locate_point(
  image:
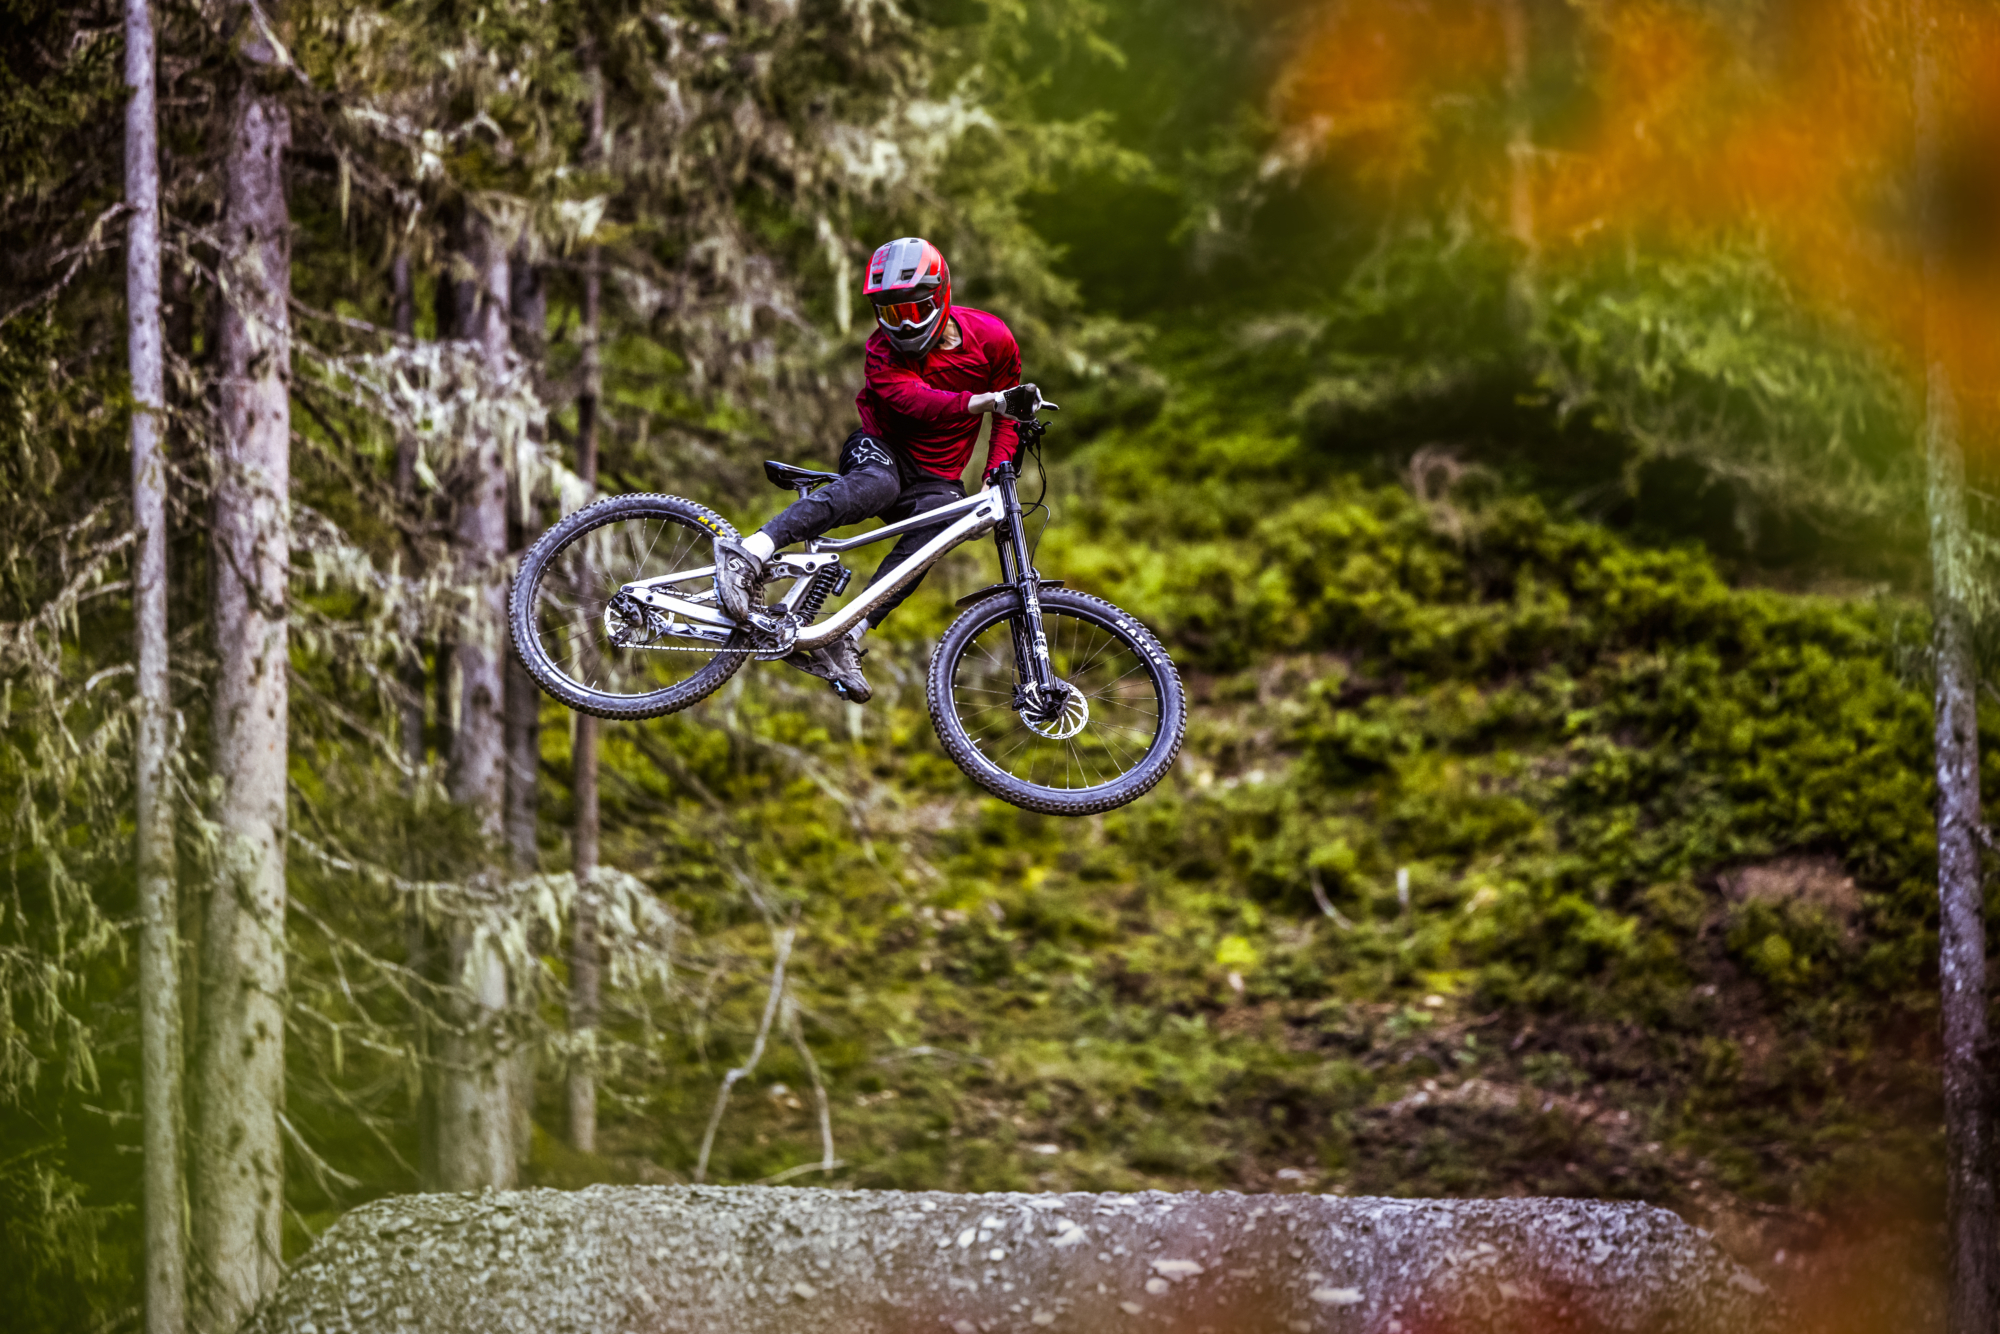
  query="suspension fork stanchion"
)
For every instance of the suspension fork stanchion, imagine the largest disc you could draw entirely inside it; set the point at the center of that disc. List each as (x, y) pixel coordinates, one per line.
(1031, 644)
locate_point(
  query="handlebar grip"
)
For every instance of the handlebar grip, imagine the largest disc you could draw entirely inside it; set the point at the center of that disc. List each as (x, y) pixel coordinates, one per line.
(1021, 401)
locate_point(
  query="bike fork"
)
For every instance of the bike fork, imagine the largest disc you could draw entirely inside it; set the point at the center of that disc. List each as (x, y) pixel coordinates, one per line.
(1035, 675)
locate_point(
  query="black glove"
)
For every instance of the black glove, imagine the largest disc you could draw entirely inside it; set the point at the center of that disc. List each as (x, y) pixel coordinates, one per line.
(1021, 401)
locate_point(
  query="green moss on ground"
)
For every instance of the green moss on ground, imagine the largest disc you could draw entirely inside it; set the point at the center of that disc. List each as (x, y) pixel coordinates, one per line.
(1627, 881)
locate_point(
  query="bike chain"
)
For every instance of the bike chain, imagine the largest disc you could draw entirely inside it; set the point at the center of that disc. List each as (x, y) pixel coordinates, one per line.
(711, 652)
(775, 654)
(682, 648)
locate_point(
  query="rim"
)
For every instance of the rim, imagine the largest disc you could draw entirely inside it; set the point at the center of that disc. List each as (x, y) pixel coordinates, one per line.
(607, 650)
(1112, 722)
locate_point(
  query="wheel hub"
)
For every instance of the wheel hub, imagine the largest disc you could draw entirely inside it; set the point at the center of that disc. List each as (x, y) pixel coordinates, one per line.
(628, 623)
(1059, 721)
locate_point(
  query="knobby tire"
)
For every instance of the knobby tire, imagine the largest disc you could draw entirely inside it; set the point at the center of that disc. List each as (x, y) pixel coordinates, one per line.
(1134, 782)
(535, 567)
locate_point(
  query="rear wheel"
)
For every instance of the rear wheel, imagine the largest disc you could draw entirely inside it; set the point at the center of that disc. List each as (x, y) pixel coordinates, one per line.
(1109, 739)
(589, 642)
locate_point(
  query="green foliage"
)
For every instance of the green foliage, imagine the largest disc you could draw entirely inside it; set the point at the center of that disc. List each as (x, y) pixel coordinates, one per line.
(58, 68)
(1516, 753)
(1451, 892)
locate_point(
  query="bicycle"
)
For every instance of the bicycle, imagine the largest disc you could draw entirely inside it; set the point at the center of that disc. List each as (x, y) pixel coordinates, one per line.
(1050, 699)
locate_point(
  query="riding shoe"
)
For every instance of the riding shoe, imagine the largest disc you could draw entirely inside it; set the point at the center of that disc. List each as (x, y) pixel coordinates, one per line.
(838, 662)
(739, 580)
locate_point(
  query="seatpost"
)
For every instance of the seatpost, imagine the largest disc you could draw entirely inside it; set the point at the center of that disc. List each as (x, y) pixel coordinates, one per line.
(805, 489)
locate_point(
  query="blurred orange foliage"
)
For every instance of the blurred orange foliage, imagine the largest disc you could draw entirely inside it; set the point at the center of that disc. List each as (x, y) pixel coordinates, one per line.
(1795, 126)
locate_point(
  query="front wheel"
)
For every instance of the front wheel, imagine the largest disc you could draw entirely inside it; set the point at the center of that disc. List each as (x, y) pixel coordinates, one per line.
(1110, 738)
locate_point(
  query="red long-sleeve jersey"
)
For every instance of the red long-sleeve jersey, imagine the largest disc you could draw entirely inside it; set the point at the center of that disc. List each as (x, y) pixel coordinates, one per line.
(919, 406)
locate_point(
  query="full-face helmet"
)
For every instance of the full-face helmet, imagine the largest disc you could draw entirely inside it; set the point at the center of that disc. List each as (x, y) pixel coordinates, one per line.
(910, 286)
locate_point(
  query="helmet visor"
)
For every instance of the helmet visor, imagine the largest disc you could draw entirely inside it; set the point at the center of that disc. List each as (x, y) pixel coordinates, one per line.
(913, 314)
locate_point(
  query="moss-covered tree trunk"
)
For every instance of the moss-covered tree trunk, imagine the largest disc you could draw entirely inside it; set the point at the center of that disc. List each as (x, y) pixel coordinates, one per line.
(238, 1156)
(159, 913)
(419, 938)
(584, 963)
(410, 670)
(1961, 895)
(475, 1114)
(528, 306)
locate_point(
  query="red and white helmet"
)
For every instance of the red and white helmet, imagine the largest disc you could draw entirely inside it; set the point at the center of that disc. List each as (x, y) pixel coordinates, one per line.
(910, 285)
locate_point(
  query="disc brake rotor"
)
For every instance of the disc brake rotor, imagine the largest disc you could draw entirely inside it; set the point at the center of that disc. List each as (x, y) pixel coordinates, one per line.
(1061, 726)
(630, 624)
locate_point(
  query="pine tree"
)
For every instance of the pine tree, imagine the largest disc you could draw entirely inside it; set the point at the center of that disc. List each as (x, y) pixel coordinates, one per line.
(159, 910)
(475, 1103)
(584, 962)
(1969, 1187)
(238, 1154)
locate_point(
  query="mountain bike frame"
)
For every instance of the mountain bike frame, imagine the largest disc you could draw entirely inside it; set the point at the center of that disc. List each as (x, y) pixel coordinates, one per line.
(996, 510)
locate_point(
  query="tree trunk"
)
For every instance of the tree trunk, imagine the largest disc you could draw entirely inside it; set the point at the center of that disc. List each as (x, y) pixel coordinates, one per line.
(1961, 920)
(529, 304)
(410, 672)
(1522, 283)
(1969, 1194)
(159, 913)
(240, 1074)
(748, 1260)
(584, 960)
(475, 1110)
(419, 946)
(530, 307)
(478, 761)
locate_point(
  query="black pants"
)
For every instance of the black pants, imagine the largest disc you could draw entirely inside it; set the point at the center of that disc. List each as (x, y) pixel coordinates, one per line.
(875, 482)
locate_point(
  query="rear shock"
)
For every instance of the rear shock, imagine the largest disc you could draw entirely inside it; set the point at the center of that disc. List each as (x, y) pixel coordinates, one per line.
(830, 582)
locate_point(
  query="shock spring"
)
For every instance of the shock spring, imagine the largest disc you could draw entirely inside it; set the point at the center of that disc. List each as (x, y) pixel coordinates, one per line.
(830, 582)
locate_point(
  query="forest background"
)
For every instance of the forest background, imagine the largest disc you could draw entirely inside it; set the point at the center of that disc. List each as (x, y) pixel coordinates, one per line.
(1512, 414)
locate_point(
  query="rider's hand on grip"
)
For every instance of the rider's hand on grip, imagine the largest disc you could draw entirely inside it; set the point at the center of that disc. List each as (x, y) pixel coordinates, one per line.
(1023, 401)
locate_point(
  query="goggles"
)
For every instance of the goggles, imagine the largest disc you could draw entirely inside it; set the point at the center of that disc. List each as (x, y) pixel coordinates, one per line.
(913, 313)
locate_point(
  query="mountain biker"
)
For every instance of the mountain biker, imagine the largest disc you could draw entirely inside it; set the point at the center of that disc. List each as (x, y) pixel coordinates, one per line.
(933, 369)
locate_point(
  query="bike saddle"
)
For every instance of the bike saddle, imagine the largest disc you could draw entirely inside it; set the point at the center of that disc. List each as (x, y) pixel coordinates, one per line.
(786, 477)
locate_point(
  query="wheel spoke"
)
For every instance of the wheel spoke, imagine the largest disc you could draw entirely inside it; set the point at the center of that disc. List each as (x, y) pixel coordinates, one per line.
(1088, 744)
(575, 588)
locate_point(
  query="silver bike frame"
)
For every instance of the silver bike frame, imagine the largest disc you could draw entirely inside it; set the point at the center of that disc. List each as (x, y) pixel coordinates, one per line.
(979, 514)
(976, 515)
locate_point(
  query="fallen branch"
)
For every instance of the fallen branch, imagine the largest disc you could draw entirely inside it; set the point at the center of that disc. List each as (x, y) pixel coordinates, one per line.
(783, 940)
(798, 1037)
(1325, 903)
